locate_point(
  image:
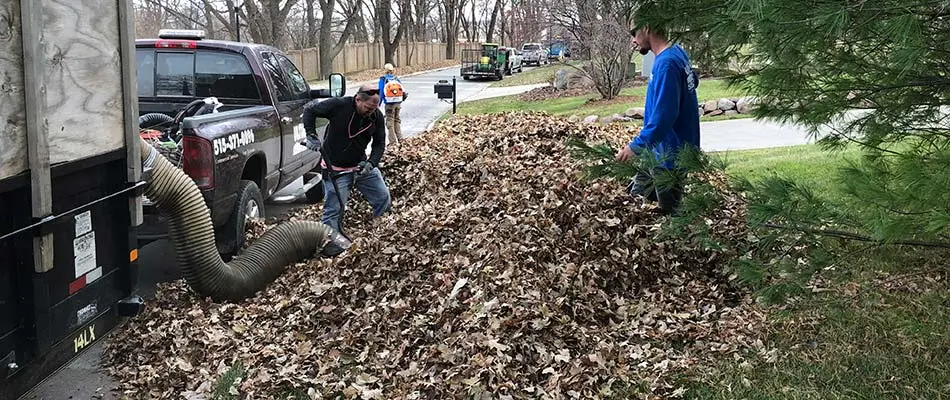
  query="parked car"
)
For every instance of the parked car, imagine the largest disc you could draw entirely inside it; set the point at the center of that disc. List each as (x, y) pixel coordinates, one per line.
(534, 54)
(515, 61)
(250, 148)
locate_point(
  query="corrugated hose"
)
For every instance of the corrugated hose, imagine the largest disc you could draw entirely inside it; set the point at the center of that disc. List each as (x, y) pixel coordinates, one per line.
(177, 197)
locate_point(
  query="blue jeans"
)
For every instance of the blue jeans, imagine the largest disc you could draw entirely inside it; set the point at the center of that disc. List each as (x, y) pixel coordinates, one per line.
(371, 185)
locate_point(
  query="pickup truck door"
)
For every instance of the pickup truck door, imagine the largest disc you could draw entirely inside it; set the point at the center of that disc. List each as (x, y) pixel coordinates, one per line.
(292, 92)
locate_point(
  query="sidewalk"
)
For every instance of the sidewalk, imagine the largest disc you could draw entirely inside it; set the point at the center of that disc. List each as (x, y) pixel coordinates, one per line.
(492, 92)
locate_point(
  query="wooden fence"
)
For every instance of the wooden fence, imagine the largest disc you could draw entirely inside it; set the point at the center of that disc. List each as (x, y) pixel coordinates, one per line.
(363, 56)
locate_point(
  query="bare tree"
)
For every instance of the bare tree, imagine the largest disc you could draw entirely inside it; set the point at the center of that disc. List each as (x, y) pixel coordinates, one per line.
(600, 32)
(421, 21)
(450, 11)
(391, 36)
(329, 47)
(490, 32)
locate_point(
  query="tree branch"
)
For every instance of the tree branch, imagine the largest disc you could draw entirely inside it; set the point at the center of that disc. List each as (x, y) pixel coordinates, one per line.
(858, 237)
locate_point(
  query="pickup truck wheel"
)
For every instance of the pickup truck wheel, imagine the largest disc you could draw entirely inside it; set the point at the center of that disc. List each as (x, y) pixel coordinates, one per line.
(315, 194)
(249, 205)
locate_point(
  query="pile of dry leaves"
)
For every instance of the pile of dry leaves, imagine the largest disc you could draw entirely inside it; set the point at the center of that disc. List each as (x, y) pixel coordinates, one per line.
(500, 274)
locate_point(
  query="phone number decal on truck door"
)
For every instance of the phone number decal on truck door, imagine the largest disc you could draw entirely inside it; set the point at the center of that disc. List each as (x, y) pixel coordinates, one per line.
(233, 141)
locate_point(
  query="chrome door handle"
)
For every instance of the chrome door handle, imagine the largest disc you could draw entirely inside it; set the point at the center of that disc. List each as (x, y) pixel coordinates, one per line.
(287, 120)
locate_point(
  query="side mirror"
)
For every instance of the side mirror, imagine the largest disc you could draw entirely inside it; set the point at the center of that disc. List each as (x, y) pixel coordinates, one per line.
(337, 85)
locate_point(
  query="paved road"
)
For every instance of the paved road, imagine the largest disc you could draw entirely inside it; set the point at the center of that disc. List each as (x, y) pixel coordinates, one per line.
(743, 134)
(422, 107)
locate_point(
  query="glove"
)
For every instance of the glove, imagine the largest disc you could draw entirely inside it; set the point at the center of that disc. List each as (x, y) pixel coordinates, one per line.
(365, 168)
(313, 143)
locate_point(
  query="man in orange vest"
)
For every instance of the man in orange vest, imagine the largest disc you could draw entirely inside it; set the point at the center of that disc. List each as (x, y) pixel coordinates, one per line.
(392, 94)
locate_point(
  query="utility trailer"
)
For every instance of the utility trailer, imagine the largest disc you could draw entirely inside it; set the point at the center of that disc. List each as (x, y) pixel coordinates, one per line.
(70, 182)
(486, 62)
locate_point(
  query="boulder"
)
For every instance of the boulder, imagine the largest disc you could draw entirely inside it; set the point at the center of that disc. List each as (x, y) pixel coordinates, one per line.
(731, 112)
(574, 119)
(710, 105)
(560, 79)
(635, 112)
(726, 105)
(579, 81)
(701, 111)
(745, 105)
(716, 112)
(591, 119)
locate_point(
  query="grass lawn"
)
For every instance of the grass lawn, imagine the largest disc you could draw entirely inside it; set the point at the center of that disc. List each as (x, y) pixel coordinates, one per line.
(587, 105)
(877, 329)
(806, 163)
(542, 74)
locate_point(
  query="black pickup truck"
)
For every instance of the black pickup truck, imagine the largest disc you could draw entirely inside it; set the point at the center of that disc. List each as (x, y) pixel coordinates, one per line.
(249, 148)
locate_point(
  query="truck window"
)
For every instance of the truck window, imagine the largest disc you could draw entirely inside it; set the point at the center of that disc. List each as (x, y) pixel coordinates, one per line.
(203, 73)
(284, 91)
(299, 85)
(174, 74)
(146, 73)
(224, 75)
(531, 47)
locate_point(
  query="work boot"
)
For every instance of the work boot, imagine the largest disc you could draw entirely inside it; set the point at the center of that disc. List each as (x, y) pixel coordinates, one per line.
(336, 245)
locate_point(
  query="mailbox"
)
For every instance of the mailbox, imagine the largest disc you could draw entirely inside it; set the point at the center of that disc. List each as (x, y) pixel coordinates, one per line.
(444, 89)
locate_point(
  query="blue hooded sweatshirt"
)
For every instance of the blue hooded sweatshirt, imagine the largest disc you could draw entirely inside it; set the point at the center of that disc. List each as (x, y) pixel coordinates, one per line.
(671, 115)
(382, 83)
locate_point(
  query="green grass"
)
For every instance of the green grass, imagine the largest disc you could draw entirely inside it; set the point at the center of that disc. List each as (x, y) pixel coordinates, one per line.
(805, 163)
(582, 105)
(228, 381)
(859, 338)
(542, 74)
(860, 341)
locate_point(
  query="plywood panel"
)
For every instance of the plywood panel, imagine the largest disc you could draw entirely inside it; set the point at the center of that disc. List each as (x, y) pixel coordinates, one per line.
(13, 150)
(83, 77)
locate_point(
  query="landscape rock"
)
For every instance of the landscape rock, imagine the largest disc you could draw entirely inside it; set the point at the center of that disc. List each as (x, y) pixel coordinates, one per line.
(710, 105)
(560, 79)
(715, 113)
(726, 104)
(731, 112)
(579, 81)
(574, 119)
(702, 111)
(745, 105)
(591, 119)
(635, 112)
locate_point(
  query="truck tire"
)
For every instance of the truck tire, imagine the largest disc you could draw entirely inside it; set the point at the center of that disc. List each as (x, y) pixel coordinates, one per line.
(249, 203)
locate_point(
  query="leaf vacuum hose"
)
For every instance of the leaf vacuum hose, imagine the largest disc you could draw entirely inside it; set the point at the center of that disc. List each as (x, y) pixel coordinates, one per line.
(177, 197)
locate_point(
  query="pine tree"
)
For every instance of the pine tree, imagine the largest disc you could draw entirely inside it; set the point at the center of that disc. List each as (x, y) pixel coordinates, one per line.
(872, 75)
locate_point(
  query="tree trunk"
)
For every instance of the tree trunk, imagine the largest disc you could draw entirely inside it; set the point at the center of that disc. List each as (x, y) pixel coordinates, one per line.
(450, 21)
(384, 16)
(328, 49)
(312, 27)
(490, 32)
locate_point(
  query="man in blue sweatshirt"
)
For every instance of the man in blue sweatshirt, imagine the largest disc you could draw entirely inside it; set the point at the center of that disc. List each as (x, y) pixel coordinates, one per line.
(670, 118)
